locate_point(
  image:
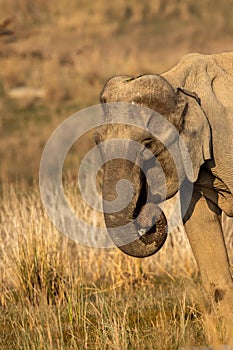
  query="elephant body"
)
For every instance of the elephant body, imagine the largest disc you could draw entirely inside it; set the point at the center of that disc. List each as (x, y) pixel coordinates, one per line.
(196, 97)
(211, 78)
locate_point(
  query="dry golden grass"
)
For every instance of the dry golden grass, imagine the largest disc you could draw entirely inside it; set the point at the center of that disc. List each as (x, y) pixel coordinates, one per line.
(56, 294)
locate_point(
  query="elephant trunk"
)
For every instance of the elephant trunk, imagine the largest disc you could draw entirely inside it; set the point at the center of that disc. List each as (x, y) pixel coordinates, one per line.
(137, 227)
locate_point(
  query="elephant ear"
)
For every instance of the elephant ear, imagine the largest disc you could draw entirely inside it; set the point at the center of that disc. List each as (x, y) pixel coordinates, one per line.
(196, 136)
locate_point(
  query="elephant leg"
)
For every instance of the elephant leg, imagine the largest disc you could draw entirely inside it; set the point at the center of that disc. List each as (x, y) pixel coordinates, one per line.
(203, 228)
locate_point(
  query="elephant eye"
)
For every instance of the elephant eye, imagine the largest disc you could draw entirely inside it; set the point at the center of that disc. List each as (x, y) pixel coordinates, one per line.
(153, 145)
(148, 143)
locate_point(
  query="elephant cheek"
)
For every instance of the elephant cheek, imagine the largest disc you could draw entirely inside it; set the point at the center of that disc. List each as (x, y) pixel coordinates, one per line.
(165, 179)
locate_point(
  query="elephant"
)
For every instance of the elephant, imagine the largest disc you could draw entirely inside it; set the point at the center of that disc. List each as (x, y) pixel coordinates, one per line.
(196, 97)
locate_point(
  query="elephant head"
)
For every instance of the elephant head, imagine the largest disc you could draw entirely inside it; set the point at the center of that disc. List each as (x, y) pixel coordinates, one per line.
(144, 222)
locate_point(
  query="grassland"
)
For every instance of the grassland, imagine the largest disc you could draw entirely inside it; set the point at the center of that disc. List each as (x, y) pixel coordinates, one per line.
(54, 293)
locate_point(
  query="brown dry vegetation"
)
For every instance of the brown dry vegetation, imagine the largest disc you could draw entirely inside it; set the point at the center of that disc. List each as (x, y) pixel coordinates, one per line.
(55, 294)
(54, 60)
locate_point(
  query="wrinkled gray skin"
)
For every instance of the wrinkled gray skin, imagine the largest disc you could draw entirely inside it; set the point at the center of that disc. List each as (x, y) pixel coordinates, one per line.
(206, 126)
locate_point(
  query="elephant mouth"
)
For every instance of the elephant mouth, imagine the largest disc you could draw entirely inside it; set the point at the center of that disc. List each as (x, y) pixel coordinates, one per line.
(150, 225)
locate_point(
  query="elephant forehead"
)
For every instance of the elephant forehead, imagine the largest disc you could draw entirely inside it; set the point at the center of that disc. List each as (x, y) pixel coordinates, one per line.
(127, 112)
(122, 131)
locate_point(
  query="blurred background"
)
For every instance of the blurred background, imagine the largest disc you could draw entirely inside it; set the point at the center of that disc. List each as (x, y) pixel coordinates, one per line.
(56, 56)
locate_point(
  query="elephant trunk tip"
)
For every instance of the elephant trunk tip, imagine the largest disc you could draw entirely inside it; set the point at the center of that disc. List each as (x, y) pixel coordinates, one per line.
(151, 227)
